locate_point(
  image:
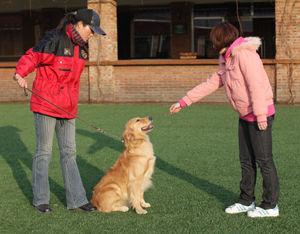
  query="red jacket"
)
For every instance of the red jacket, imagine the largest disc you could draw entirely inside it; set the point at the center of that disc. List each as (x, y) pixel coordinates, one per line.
(58, 63)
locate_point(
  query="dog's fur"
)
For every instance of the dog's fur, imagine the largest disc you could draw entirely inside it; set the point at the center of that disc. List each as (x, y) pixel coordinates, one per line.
(124, 184)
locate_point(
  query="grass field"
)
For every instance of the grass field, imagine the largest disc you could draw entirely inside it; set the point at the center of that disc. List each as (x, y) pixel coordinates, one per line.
(197, 172)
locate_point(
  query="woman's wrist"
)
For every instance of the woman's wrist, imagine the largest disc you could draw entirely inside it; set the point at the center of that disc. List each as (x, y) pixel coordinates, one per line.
(182, 103)
(15, 77)
(261, 118)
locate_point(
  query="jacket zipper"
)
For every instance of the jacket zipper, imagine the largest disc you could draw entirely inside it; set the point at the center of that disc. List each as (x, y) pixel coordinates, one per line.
(76, 55)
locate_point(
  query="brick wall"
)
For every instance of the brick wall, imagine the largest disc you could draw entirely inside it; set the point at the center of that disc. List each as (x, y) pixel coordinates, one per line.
(11, 92)
(288, 50)
(158, 83)
(130, 83)
(103, 48)
(167, 83)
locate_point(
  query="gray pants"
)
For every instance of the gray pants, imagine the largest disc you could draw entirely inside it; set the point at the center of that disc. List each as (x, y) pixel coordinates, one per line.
(256, 148)
(65, 133)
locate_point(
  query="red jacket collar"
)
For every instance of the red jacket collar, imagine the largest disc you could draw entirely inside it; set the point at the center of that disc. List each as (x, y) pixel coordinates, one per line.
(69, 31)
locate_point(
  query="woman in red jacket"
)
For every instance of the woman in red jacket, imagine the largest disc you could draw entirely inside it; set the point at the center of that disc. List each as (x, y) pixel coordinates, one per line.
(59, 59)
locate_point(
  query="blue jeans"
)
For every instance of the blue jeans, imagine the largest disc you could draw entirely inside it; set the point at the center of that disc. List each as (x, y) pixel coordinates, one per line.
(65, 133)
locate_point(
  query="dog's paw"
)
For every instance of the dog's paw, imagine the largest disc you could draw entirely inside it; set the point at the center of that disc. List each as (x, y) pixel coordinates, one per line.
(145, 204)
(124, 209)
(141, 211)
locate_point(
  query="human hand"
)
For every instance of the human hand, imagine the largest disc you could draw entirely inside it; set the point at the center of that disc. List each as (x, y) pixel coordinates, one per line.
(175, 108)
(21, 81)
(262, 125)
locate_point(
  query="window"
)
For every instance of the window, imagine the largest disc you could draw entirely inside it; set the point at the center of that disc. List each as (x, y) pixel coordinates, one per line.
(202, 27)
(257, 19)
(206, 17)
(11, 43)
(146, 32)
(23, 23)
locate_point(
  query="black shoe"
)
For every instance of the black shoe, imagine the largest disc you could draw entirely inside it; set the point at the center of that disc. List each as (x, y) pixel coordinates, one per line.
(88, 207)
(43, 208)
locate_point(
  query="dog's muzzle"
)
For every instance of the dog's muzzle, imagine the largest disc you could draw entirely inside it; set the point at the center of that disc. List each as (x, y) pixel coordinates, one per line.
(148, 127)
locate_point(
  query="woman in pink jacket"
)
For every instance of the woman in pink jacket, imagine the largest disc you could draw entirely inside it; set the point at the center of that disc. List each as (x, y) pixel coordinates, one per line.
(248, 89)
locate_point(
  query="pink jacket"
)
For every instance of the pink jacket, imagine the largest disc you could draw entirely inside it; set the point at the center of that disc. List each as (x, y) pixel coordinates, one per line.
(245, 80)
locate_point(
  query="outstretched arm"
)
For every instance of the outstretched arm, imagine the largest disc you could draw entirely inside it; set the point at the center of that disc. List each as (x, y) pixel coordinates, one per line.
(197, 93)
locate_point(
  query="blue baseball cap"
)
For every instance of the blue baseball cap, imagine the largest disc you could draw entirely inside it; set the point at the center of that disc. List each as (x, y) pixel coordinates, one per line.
(91, 18)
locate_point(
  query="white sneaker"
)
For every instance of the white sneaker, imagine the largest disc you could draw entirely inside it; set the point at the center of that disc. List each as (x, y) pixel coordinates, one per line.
(239, 208)
(261, 213)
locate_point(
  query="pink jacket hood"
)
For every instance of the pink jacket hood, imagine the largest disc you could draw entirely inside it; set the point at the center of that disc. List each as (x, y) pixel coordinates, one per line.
(250, 43)
(244, 78)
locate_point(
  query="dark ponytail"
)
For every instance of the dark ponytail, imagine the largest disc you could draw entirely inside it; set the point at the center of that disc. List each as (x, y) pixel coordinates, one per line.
(67, 19)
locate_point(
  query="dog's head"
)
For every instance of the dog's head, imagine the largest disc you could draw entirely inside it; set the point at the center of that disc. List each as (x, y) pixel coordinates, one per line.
(136, 129)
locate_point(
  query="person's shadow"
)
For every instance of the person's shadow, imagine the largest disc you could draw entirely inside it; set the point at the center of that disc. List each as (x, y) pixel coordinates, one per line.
(101, 140)
(16, 155)
(90, 174)
(13, 150)
(220, 193)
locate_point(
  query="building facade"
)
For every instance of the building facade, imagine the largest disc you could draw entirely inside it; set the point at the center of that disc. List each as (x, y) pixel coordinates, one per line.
(155, 50)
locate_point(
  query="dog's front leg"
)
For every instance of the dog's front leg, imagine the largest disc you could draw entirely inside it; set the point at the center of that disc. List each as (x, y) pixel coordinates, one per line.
(143, 203)
(147, 180)
(135, 196)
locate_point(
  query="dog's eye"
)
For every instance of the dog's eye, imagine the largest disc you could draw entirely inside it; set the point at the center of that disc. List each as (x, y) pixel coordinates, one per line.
(137, 120)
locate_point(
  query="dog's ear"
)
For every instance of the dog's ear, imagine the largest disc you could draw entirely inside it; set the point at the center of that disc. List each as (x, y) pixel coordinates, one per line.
(128, 136)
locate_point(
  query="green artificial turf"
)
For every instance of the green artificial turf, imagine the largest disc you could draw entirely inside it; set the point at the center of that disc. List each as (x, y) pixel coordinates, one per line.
(197, 172)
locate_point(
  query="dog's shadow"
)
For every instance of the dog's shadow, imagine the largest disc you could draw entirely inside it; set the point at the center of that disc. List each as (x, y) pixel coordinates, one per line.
(101, 140)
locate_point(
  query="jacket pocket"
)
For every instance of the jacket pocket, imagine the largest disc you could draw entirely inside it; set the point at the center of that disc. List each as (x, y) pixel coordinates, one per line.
(222, 74)
(63, 69)
(232, 70)
(230, 67)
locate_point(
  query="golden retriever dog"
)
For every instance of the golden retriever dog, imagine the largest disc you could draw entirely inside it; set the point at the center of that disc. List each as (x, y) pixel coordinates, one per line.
(124, 184)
